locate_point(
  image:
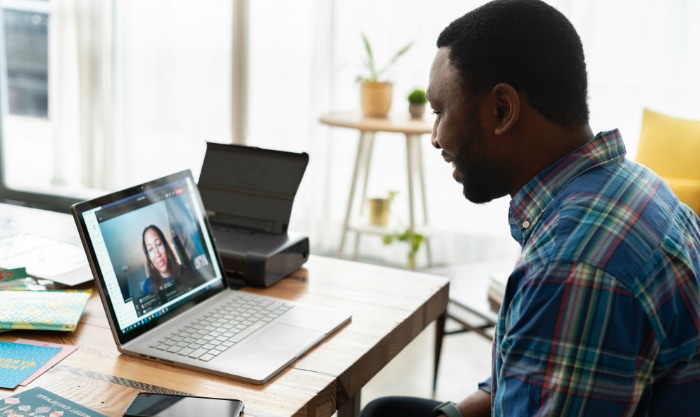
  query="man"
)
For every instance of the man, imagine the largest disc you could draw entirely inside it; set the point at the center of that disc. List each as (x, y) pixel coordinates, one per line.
(601, 314)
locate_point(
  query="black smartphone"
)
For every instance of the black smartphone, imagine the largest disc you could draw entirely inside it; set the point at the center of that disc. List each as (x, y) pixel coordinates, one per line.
(147, 404)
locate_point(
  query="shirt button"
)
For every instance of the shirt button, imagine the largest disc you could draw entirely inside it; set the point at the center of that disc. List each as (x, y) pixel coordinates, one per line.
(526, 224)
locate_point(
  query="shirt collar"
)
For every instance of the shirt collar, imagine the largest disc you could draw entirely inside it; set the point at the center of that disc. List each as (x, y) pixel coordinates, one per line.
(529, 203)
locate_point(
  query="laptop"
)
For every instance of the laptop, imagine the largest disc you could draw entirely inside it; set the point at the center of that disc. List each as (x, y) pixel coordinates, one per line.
(165, 293)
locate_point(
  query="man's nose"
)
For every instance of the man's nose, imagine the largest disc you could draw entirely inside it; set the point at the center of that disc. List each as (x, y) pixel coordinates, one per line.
(434, 139)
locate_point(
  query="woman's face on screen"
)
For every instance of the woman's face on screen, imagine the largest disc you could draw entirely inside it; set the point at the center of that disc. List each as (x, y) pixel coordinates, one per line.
(157, 254)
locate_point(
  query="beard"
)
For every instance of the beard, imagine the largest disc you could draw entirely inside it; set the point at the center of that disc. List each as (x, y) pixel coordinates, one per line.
(481, 178)
(475, 182)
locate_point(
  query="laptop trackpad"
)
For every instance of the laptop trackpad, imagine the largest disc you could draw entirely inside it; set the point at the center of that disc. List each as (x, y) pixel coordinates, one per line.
(263, 355)
(284, 338)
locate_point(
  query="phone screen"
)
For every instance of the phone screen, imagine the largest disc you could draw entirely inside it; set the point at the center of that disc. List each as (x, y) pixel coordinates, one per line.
(162, 405)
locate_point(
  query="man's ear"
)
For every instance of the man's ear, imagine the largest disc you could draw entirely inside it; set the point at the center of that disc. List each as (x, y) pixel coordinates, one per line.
(507, 107)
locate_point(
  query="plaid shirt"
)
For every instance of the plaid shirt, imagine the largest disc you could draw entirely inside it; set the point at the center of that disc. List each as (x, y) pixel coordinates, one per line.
(601, 315)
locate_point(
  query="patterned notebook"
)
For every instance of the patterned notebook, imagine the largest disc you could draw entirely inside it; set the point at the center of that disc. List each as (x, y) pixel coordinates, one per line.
(40, 402)
(42, 310)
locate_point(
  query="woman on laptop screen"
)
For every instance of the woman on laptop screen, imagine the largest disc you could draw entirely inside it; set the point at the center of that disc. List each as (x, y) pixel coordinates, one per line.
(164, 271)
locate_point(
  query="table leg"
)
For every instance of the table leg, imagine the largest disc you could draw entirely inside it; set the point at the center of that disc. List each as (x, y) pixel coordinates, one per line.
(439, 335)
(351, 408)
(414, 160)
(421, 180)
(367, 162)
(368, 138)
(356, 246)
(409, 167)
(364, 150)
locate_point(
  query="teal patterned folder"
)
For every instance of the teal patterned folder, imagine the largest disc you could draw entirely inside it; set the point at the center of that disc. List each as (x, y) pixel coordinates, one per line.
(40, 402)
(42, 310)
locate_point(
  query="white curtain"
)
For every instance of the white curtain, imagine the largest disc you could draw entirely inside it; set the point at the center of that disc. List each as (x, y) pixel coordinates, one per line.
(154, 83)
(81, 99)
(137, 88)
(172, 72)
(305, 56)
(640, 54)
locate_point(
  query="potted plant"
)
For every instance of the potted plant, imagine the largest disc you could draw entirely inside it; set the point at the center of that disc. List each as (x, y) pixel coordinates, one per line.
(416, 103)
(379, 209)
(413, 238)
(375, 92)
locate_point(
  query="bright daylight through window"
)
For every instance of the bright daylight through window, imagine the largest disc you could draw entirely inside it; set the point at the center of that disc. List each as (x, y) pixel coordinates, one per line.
(99, 95)
(26, 137)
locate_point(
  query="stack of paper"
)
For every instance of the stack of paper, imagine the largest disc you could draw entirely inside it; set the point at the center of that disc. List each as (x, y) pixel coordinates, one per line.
(42, 310)
(41, 256)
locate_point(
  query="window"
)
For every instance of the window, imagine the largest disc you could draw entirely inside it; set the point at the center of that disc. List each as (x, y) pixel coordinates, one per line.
(26, 38)
(24, 101)
(100, 95)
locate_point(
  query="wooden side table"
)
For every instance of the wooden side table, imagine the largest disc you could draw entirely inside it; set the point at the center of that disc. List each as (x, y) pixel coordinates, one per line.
(413, 130)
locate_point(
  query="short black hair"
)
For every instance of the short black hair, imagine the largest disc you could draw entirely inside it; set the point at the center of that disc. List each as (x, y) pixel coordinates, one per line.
(529, 45)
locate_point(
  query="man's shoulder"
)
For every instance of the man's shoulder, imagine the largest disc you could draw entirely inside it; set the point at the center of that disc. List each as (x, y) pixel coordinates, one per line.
(615, 196)
(615, 218)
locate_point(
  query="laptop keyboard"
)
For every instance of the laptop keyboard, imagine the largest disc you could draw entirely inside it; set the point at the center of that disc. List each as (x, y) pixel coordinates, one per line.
(223, 327)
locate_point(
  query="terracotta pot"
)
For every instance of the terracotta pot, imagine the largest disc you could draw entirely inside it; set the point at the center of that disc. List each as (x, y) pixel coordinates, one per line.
(375, 98)
(416, 110)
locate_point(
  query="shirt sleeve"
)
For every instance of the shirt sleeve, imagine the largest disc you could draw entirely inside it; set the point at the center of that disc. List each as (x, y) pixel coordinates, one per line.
(575, 342)
(485, 385)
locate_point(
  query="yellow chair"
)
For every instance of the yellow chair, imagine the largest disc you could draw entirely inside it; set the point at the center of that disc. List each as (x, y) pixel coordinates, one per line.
(670, 146)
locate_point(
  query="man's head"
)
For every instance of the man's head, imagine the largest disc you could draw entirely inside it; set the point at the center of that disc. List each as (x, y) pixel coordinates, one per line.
(495, 66)
(527, 44)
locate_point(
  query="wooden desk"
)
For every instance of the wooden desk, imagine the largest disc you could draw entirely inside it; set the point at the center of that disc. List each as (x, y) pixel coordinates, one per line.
(390, 307)
(413, 130)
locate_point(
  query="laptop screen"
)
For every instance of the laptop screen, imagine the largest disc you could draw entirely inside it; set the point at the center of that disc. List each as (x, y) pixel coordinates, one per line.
(151, 249)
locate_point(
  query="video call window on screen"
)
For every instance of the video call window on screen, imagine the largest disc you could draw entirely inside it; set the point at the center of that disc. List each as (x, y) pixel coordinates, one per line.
(157, 251)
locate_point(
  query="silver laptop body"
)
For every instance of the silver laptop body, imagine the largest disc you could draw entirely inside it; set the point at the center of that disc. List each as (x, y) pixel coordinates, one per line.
(157, 271)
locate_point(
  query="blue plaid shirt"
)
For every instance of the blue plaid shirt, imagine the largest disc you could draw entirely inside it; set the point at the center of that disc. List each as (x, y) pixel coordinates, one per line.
(601, 315)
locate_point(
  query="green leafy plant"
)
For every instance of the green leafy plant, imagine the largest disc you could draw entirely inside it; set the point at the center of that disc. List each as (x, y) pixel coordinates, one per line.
(417, 96)
(374, 72)
(413, 238)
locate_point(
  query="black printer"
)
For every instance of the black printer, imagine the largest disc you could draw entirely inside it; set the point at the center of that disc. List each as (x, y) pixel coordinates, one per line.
(248, 193)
